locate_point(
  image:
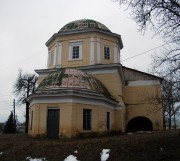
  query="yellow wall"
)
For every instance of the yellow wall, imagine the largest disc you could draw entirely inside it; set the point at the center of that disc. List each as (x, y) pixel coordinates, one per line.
(112, 82)
(142, 101)
(71, 118)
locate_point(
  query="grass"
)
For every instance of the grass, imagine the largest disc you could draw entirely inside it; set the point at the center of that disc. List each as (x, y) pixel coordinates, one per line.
(158, 146)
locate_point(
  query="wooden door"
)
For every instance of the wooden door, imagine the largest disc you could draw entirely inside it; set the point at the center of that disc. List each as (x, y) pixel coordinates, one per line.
(53, 123)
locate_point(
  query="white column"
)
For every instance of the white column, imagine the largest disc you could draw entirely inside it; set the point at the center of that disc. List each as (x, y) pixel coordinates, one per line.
(92, 51)
(48, 57)
(98, 51)
(59, 56)
(116, 54)
(55, 55)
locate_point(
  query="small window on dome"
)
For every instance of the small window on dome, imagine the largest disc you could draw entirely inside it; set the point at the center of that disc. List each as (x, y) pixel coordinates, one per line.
(106, 52)
(75, 51)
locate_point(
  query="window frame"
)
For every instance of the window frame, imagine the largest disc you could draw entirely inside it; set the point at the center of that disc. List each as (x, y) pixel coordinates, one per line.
(87, 121)
(73, 45)
(107, 52)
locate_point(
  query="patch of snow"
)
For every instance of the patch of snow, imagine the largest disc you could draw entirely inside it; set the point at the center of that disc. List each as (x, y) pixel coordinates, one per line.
(71, 158)
(129, 133)
(76, 151)
(35, 159)
(1, 153)
(105, 154)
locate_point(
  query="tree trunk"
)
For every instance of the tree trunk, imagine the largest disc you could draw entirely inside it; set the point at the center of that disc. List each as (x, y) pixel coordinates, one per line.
(175, 120)
(27, 117)
(169, 122)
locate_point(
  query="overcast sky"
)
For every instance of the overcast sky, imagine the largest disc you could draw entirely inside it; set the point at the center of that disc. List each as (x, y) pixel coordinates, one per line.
(26, 25)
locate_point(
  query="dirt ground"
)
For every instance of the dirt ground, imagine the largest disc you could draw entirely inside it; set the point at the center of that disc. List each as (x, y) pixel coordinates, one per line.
(156, 146)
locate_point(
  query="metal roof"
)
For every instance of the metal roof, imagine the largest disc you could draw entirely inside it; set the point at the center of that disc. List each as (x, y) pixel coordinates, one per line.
(71, 79)
(83, 24)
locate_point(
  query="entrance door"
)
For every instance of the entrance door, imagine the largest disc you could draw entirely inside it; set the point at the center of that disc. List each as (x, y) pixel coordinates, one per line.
(53, 123)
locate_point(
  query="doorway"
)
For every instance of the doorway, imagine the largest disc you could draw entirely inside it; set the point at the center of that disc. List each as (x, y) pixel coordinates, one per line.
(139, 124)
(53, 123)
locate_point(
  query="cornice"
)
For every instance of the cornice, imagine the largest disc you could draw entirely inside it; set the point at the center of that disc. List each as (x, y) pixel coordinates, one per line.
(83, 32)
(73, 96)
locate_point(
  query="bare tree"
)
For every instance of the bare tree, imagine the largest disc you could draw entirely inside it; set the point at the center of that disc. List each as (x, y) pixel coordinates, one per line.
(23, 87)
(170, 97)
(163, 17)
(170, 89)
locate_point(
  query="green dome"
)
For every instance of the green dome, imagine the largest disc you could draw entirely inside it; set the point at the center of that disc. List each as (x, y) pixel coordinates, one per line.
(82, 25)
(71, 79)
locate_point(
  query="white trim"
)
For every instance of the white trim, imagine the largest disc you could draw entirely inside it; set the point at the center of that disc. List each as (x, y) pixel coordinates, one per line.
(80, 52)
(72, 99)
(103, 71)
(59, 56)
(92, 51)
(98, 51)
(55, 53)
(70, 51)
(143, 83)
(116, 54)
(48, 57)
(75, 43)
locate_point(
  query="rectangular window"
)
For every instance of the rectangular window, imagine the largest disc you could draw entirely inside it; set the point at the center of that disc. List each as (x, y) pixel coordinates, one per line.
(108, 121)
(86, 119)
(75, 52)
(51, 58)
(106, 52)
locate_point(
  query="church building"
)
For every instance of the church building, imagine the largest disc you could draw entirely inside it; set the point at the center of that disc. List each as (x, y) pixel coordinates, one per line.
(85, 88)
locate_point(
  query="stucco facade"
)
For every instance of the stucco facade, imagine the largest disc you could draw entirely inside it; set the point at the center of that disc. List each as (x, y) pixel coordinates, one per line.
(86, 89)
